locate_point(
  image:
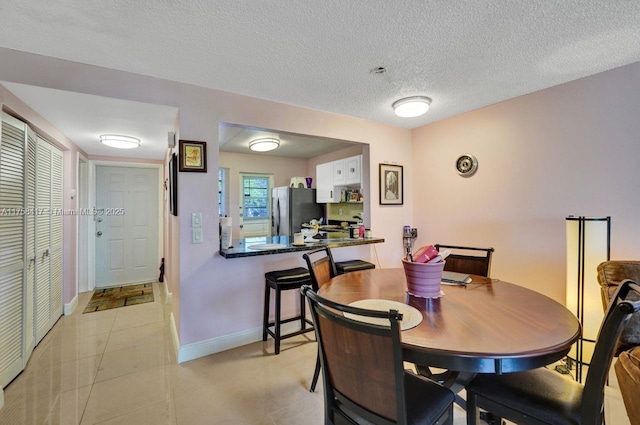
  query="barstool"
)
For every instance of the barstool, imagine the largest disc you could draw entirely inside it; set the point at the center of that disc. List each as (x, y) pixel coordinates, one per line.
(284, 280)
(353, 266)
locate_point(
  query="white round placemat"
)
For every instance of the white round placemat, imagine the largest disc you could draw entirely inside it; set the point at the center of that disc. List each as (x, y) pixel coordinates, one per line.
(411, 316)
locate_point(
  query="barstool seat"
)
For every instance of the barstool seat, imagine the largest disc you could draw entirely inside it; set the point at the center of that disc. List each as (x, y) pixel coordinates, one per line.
(353, 266)
(284, 280)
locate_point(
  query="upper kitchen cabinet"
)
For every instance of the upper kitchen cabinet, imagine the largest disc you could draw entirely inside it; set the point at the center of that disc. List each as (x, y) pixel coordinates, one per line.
(331, 177)
(324, 183)
(353, 169)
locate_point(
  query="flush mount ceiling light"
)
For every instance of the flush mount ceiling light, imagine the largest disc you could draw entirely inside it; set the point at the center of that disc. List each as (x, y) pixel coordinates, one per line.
(264, 144)
(120, 142)
(410, 107)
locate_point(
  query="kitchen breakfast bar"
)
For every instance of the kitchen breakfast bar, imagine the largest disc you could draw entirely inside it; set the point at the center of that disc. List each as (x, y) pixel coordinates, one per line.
(251, 247)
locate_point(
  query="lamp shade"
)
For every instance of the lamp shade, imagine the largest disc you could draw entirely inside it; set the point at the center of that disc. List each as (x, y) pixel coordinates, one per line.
(588, 244)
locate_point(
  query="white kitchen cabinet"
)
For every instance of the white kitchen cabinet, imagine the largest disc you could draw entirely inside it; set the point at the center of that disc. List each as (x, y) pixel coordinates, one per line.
(333, 177)
(353, 170)
(324, 183)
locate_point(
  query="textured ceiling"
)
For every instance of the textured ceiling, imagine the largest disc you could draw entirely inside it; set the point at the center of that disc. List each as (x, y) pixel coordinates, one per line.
(464, 54)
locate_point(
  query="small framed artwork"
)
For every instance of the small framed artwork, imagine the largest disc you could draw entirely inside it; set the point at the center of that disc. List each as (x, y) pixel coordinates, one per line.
(173, 184)
(193, 156)
(354, 196)
(391, 184)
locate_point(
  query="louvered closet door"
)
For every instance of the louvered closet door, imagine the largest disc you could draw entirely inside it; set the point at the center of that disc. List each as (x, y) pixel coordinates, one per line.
(56, 234)
(30, 222)
(48, 237)
(12, 254)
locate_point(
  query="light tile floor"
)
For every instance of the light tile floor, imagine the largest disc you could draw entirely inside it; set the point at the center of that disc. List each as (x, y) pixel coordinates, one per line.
(119, 367)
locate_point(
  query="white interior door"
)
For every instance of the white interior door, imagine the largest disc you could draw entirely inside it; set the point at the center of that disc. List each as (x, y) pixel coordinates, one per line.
(126, 225)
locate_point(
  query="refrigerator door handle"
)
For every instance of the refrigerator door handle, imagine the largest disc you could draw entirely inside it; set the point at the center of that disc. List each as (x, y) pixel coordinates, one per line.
(277, 219)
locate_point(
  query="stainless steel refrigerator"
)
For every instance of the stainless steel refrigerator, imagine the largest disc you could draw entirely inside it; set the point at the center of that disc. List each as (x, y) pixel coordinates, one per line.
(291, 207)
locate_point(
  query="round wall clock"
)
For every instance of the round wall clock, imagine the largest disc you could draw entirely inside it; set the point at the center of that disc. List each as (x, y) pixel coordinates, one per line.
(466, 165)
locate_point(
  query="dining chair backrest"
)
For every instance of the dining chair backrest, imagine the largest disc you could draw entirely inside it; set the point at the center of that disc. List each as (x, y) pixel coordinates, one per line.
(361, 362)
(617, 315)
(321, 266)
(541, 396)
(469, 260)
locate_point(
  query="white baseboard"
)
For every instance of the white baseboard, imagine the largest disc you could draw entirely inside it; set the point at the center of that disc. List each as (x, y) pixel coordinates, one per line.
(174, 335)
(71, 307)
(226, 342)
(215, 345)
(168, 296)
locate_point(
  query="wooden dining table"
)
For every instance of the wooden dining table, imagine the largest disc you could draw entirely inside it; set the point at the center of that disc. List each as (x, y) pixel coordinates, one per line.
(486, 326)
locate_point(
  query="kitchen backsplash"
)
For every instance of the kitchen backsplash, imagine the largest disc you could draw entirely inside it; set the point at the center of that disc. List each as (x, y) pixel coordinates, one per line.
(344, 211)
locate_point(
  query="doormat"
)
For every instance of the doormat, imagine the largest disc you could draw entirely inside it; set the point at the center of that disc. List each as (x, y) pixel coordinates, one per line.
(120, 296)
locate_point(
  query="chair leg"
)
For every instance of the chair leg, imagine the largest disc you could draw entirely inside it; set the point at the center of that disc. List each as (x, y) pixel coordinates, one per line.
(303, 312)
(473, 415)
(267, 302)
(277, 324)
(316, 375)
(449, 420)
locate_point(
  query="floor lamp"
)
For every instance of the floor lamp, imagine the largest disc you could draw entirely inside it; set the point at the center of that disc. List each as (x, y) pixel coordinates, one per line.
(588, 244)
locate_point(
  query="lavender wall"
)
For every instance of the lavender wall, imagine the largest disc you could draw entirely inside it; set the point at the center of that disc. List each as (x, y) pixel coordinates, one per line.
(568, 150)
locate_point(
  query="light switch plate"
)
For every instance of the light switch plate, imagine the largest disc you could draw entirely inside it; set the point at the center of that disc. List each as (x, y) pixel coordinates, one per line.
(196, 235)
(196, 219)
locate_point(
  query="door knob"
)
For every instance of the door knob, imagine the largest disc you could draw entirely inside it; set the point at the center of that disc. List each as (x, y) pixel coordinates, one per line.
(99, 233)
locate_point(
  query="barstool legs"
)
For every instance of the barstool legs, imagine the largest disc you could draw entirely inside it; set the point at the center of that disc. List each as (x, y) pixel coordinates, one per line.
(277, 324)
(280, 281)
(267, 303)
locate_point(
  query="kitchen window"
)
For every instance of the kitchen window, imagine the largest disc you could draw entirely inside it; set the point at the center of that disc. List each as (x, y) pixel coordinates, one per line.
(255, 191)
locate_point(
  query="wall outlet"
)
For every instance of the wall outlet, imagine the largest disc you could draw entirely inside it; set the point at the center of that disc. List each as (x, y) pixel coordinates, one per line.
(196, 235)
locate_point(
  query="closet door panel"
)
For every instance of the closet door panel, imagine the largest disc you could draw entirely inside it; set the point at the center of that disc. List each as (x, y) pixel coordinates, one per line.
(30, 222)
(43, 240)
(56, 235)
(12, 253)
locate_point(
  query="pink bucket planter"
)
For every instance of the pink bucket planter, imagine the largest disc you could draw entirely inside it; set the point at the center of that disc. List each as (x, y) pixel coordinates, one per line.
(423, 279)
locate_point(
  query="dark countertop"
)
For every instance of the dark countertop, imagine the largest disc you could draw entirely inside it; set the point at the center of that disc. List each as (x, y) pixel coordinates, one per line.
(241, 248)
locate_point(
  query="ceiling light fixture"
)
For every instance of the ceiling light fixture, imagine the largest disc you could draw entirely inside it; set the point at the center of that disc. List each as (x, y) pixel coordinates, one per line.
(120, 142)
(264, 144)
(410, 107)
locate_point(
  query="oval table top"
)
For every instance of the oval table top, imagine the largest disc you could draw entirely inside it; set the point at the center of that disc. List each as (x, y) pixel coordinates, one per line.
(487, 326)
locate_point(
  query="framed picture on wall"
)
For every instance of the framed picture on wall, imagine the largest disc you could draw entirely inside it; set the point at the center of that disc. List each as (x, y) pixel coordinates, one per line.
(193, 156)
(391, 184)
(173, 184)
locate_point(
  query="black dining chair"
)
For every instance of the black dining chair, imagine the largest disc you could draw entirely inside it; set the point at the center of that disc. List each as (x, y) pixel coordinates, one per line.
(363, 372)
(542, 396)
(322, 268)
(468, 260)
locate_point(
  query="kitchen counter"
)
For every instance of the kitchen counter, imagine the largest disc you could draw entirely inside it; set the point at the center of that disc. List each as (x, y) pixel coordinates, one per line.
(284, 244)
